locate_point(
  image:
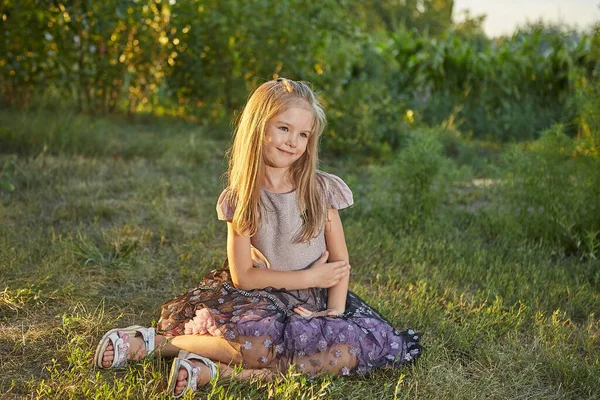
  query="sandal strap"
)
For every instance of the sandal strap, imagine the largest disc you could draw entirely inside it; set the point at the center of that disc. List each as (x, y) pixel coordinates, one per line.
(193, 375)
(148, 334)
(121, 348)
(212, 366)
(119, 338)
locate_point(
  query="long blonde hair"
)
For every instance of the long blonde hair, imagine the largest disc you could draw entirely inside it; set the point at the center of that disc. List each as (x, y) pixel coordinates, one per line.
(247, 167)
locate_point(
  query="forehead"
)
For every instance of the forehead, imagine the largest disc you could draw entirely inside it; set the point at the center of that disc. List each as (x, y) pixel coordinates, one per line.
(301, 118)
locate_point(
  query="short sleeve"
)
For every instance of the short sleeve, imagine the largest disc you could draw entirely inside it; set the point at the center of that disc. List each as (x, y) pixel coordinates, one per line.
(337, 194)
(225, 208)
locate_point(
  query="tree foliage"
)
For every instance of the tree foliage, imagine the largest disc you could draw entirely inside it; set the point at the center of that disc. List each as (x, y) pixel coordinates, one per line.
(380, 66)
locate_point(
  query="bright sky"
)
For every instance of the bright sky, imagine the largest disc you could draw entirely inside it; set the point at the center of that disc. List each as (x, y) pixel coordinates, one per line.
(503, 16)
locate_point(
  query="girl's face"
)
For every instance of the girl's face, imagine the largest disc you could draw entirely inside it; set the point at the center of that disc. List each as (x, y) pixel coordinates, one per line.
(286, 137)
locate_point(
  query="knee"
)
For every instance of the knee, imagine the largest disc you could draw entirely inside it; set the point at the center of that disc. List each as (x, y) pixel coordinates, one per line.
(339, 360)
(257, 352)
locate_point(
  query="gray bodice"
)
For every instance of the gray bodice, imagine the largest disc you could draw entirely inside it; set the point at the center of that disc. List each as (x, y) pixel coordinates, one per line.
(274, 245)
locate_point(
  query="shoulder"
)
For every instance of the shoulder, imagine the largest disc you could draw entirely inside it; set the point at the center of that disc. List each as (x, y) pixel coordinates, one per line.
(225, 205)
(336, 192)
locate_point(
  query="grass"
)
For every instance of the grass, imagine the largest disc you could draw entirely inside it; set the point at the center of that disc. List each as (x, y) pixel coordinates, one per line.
(99, 231)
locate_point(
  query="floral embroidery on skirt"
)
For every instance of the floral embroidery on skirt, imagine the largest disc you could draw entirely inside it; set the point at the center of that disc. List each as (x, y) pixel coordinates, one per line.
(217, 308)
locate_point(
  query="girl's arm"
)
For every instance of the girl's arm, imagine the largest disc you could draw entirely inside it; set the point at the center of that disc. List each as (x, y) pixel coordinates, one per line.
(336, 245)
(244, 276)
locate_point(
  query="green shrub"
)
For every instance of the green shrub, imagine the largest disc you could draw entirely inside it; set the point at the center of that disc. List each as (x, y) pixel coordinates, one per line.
(7, 166)
(365, 120)
(415, 183)
(588, 118)
(551, 194)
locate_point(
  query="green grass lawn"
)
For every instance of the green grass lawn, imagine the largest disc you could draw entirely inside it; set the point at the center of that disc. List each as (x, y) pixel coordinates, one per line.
(97, 231)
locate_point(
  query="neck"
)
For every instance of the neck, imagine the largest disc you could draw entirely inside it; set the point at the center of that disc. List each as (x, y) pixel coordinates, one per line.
(278, 180)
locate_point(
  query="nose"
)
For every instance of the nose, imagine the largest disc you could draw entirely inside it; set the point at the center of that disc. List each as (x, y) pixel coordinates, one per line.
(291, 140)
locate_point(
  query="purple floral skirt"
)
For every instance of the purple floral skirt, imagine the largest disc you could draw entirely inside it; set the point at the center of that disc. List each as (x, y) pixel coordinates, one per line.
(217, 308)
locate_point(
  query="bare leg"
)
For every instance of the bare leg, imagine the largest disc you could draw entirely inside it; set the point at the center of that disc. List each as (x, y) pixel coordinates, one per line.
(337, 360)
(216, 348)
(213, 347)
(260, 363)
(226, 372)
(258, 352)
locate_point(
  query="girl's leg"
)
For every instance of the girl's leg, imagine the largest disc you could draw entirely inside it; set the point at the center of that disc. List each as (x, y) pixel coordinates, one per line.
(226, 372)
(216, 348)
(259, 352)
(336, 360)
(260, 363)
(213, 347)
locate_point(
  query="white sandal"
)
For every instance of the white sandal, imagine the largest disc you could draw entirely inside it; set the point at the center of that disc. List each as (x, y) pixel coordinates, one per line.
(121, 347)
(182, 361)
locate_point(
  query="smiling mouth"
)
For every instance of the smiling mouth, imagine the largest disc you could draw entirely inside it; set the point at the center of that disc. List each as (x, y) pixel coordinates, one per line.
(287, 153)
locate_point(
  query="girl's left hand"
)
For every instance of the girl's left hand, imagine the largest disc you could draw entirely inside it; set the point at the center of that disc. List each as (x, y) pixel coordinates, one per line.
(306, 313)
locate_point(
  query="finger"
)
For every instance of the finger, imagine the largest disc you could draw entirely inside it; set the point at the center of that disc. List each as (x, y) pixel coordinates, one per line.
(325, 256)
(302, 311)
(305, 315)
(339, 271)
(339, 274)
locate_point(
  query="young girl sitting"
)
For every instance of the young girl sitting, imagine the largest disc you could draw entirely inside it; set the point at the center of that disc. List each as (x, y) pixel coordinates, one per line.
(283, 297)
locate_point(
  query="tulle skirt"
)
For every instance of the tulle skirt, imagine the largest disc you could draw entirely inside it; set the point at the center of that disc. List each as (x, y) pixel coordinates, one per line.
(264, 320)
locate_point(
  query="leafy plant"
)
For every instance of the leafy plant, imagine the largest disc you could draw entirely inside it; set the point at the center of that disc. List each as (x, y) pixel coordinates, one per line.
(414, 184)
(551, 194)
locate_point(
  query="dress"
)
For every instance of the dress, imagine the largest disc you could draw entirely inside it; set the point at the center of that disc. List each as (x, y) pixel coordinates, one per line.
(265, 318)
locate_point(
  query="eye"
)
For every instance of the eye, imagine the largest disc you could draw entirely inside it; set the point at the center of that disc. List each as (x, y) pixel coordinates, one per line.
(284, 128)
(304, 135)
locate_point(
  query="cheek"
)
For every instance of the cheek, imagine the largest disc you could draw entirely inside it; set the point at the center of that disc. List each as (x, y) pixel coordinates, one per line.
(270, 136)
(267, 139)
(305, 146)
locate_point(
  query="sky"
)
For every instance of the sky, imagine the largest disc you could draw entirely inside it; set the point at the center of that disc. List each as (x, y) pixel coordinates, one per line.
(503, 16)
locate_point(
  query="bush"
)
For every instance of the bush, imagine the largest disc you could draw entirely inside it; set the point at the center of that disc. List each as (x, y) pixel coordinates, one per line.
(415, 183)
(551, 194)
(365, 121)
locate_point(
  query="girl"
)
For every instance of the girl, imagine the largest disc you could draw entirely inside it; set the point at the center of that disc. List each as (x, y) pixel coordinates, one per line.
(283, 297)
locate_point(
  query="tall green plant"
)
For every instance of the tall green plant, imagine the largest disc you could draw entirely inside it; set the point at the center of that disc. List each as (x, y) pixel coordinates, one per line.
(512, 90)
(415, 181)
(551, 194)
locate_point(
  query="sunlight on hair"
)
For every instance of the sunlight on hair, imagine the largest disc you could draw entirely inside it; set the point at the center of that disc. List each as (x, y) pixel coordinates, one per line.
(246, 162)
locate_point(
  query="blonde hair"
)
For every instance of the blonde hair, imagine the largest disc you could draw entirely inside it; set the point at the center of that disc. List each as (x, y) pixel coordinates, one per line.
(247, 166)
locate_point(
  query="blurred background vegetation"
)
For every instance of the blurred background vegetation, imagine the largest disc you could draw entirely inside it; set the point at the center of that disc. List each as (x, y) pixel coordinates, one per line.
(475, 164)
(382, 67)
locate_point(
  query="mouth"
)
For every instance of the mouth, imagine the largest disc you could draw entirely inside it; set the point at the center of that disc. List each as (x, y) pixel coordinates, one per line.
(287, 153)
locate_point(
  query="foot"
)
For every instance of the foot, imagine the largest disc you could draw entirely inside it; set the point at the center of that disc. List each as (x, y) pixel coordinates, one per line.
(203, 377)
(136, 351)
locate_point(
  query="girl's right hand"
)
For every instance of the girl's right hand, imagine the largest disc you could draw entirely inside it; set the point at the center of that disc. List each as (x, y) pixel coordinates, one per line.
(325, 274)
